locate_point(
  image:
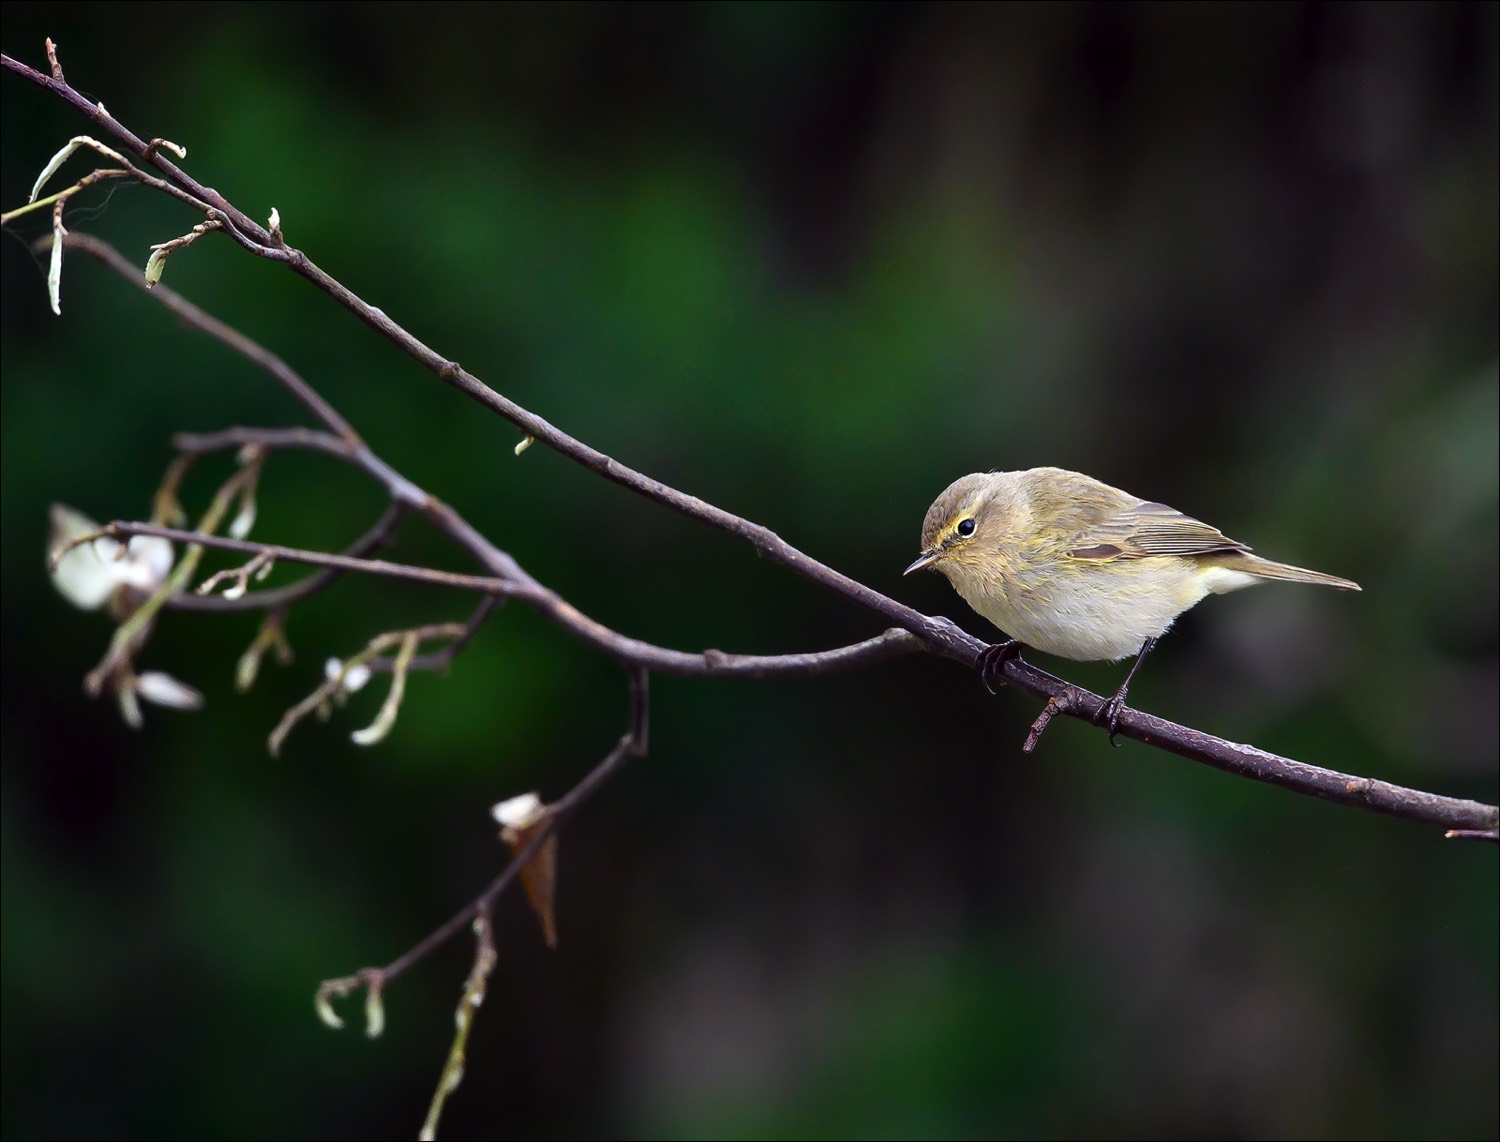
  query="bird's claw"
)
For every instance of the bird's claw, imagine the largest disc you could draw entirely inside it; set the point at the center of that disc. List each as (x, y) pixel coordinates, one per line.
(992, 660)
(1109, 715)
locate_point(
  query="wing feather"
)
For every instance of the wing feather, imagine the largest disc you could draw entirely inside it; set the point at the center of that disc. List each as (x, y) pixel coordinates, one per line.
(1144, 529)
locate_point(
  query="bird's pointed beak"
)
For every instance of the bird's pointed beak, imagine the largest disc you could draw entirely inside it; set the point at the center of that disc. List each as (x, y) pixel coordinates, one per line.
(926, 559)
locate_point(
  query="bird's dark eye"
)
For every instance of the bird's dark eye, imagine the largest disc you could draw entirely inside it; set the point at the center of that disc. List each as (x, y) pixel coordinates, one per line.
(965, 528)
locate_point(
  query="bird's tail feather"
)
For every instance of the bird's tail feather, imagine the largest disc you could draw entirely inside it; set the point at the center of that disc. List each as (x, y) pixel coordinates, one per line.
(1266, 569)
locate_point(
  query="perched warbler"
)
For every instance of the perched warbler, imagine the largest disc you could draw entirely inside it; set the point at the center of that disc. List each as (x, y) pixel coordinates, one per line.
(1074, 567)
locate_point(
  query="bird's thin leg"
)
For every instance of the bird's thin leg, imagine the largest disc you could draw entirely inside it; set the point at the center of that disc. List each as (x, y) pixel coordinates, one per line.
(992, 660)
(1109, 713)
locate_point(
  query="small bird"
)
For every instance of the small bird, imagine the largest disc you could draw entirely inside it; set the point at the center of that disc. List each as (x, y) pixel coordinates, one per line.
(1071, 566)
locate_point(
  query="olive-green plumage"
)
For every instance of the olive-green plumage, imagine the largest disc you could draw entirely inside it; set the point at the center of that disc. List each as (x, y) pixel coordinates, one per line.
(1074, 567)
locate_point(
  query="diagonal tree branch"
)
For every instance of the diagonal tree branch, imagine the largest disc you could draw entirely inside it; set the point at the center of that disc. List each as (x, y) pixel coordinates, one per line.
(502, 577)
(938, 635)
(1244, 760)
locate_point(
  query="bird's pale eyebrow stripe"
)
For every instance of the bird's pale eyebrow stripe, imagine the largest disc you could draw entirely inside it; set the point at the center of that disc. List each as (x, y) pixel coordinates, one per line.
(1103, 551)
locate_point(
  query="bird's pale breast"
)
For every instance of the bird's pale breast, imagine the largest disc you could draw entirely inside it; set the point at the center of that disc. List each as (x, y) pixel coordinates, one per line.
(1082, 611)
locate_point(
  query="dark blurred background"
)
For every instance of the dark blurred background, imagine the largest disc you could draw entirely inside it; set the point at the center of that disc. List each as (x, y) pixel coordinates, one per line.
(810, 262)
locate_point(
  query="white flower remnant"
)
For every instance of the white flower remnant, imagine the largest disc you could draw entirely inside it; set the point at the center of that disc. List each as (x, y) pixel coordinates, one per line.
(354, 678)
(164, 690)
(154, 686)
(102, 570)
(519, 812)
(105, 570)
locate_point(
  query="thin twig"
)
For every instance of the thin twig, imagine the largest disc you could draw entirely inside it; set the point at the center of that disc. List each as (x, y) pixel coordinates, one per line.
(279, 598)
(621, 647)
(632, 744)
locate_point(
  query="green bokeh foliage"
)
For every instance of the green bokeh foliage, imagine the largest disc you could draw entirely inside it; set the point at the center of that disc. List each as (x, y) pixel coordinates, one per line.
(810, 262)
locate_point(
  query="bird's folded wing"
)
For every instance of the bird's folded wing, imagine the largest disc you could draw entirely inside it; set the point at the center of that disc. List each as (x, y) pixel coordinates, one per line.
(1150, 529)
